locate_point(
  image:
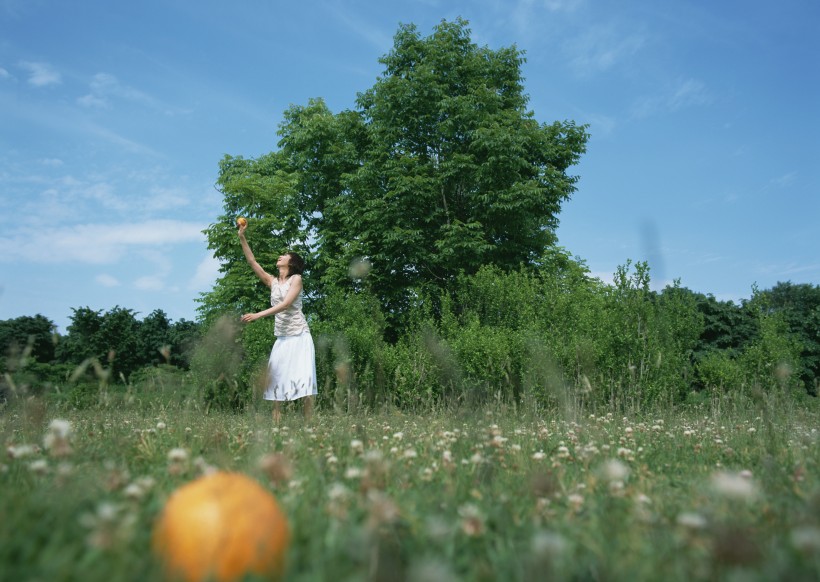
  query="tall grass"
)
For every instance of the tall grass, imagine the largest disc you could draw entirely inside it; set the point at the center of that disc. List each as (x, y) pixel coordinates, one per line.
(721, 490)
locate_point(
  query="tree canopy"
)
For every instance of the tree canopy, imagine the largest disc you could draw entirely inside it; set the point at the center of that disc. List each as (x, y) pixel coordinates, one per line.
(438, 170)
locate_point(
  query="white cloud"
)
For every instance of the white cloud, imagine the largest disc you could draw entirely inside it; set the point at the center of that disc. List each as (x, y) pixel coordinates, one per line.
(206, 274)
(107, 280)
(4, 74)
(368, 32)
(96, 243)
(600, 48)
(92, 101)
(150, 283)
(681, 94)
(784, 180)
(51, 162)
(41, 74)
(104, 86)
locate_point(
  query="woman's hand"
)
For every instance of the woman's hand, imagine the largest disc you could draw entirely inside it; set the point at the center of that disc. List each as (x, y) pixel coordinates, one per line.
(249, 317)
(242, 228)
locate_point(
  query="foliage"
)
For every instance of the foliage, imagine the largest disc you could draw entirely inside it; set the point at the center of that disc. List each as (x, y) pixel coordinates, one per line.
(441, 169)
(27, 337)
(799, 308)
(217, 367)
(490, 494)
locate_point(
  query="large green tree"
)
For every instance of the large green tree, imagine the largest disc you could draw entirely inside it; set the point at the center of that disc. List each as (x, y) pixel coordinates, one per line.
(439, 169)
(35, 336)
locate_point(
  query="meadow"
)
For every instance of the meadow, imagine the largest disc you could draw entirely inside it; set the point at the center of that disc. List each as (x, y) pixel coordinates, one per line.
(719, 491)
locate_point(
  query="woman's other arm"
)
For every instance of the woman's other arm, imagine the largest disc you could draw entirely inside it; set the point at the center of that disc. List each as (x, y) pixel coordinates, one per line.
(293, 293)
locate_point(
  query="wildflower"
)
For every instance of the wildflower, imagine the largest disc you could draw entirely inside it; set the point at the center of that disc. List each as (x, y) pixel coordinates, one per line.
(539, 456)
(161, 426)
(203, 468)
(472, 520)
(276, 467)
(177, 455)
(38, 466)
(547, 544)
(57, 438)
(614, 470)
(625, 453)
(733, 486)
(398, 436)
(477, 459)
(353, 473)
(356, 446)
(107, 527)
(692, 521)
(338, 500)
(410, 454)
(382, 510)
(22, 451)
(576, 500)
(563, 452)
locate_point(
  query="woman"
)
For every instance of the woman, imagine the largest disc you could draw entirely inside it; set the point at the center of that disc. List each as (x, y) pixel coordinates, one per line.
(292, 363)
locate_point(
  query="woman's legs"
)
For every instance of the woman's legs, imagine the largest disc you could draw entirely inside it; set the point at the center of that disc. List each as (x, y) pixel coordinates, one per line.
(307, 407)
(277, 412)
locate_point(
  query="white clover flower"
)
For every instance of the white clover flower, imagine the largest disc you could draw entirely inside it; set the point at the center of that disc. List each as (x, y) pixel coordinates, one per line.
(357, 446)
(338, 492)
(410, 454)
(177, 455)
(353, 473)
(60, 428)
(733, 486)
(576, 500)
(476, 459)
(447, 457)
(38, 466)
(161, 426)
(539, 456)
(373, 456)
(548, 544)
(691, 520)
(614, 470)
(22, 451)
(134, 491)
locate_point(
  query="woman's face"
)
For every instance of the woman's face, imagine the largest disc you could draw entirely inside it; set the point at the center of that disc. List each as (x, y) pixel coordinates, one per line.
(283, 261)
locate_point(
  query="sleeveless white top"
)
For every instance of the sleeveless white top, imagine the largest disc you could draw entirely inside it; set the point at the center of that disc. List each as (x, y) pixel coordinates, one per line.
(291, 321)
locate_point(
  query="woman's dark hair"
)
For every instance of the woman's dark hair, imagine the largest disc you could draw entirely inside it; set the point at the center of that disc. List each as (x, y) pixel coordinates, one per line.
(296, 264)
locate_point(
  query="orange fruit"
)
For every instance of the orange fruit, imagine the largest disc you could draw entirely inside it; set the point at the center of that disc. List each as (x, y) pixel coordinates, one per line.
(221, 527)
(241, 221)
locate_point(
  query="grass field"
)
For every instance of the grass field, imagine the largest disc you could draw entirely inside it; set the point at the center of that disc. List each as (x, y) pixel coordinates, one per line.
(495, 494)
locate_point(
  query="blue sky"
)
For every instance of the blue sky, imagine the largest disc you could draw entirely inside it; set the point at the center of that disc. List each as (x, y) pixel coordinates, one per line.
(704, 157)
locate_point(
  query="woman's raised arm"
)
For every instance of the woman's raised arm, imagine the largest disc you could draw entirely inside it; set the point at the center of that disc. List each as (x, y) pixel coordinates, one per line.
(257, 268)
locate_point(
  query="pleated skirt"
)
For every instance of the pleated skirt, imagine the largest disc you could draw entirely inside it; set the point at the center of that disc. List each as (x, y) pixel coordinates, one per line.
(291, 368)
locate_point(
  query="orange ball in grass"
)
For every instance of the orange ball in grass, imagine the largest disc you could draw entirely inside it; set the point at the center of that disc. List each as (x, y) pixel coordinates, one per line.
(221, 527)
(241, 221)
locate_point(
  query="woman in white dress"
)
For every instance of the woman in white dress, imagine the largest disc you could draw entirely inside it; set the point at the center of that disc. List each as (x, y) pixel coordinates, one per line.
(292, 363)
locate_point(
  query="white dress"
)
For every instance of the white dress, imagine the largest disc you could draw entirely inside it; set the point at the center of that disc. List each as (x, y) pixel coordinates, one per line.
(292, 363)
